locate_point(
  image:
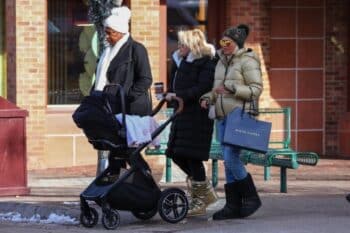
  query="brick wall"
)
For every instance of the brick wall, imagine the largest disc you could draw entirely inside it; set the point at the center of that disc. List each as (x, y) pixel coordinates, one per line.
(27, 75)
(145, 29)
(337, 35)
(257, 14)
(30, 72)
(254, 13)
(282, 40)
(27, 72)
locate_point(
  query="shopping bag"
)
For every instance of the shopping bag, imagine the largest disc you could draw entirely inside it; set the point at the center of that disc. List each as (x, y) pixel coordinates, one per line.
(244, 131)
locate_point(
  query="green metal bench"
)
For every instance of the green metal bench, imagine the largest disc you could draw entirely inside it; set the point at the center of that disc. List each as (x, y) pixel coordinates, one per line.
(280, 154)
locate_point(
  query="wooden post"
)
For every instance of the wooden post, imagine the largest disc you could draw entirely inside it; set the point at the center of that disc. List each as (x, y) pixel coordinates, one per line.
(13, 150)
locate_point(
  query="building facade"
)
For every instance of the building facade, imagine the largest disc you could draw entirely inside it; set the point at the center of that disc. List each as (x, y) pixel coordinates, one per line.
(48, 56)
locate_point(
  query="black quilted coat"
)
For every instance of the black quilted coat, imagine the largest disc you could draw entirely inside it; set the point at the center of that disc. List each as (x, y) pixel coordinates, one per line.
(191, 132)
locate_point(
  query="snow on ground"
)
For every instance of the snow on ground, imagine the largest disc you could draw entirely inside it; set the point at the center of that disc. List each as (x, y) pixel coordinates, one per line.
(71, 203)
(53, 218)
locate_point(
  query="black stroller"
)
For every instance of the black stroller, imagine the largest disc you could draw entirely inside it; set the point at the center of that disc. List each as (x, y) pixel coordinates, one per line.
(134, 189)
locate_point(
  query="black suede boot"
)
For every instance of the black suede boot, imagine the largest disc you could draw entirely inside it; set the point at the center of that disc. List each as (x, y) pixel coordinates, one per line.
(233, 203)
(250, 198)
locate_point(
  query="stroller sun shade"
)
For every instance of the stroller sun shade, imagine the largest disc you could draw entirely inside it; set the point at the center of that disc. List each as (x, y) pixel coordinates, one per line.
(95, 117)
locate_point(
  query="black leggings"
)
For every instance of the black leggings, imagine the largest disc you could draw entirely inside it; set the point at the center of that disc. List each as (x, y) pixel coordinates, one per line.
(192, 168)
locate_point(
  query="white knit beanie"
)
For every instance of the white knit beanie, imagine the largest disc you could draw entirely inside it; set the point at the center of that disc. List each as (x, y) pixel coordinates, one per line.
(119, 19)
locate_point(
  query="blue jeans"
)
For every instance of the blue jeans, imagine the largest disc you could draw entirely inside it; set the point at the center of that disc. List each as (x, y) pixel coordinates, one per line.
(234, 168)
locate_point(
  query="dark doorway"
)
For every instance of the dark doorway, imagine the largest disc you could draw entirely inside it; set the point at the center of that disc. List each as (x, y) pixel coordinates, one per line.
(183, 14)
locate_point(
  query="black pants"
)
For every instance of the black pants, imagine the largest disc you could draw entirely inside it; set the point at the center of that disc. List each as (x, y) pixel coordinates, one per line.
(192, 168)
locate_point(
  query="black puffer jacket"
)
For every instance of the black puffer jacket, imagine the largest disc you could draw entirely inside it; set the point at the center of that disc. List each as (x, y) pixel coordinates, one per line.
(191, 131)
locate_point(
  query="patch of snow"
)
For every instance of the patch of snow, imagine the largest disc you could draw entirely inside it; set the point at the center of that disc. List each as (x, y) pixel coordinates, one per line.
(60, 219)
(53, 218)
(71, 203)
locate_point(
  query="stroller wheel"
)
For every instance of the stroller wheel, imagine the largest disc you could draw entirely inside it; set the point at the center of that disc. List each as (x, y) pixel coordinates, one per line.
(111, 219)
(173, 205)
(145, 215)
(89, 219)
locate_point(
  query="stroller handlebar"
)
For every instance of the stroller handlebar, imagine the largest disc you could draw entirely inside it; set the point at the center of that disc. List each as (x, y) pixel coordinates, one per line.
(158, 107)
(162, 101)
(180, 104)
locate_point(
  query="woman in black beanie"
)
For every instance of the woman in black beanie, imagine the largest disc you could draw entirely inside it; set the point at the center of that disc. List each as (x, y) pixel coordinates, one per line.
(237, 78)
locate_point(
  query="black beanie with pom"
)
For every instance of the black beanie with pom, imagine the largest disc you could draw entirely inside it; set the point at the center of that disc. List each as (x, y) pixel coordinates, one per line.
(238, 34)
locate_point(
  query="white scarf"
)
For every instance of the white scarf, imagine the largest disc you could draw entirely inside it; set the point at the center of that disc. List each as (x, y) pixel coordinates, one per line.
(107, 56)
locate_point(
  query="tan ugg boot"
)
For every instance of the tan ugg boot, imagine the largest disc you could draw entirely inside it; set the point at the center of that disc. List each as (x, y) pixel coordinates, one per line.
(201, 195)
(204, 191)
(189, 186)
(196, 207)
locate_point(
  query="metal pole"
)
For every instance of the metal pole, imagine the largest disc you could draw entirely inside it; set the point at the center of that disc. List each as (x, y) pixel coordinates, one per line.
(102, 161)
(267, 174)
(214, 172)
(168, 170)
(283, 184)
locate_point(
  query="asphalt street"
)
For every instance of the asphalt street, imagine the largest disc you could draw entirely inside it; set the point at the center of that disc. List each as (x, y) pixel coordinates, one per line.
(279, 214)
(315, 202)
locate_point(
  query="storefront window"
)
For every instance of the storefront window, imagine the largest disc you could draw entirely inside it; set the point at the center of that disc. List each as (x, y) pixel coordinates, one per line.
(72, 51)
(183, 14)
(2, 51)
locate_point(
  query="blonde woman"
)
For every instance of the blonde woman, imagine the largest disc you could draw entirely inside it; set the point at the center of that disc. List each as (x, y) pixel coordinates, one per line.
(192, 75)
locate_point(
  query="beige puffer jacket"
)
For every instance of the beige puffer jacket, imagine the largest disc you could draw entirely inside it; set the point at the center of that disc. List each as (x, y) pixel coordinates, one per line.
(243, 74)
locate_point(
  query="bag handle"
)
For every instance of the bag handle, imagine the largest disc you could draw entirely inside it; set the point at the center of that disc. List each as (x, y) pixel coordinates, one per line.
(252, 108)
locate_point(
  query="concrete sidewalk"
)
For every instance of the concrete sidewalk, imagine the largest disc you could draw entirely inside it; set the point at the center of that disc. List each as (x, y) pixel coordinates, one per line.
(60, 195)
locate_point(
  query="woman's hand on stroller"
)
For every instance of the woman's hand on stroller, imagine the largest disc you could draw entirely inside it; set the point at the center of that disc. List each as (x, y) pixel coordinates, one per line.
(169, 96)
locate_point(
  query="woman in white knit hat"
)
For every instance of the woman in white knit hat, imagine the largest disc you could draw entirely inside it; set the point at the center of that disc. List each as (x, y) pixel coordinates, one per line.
(125, 61)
